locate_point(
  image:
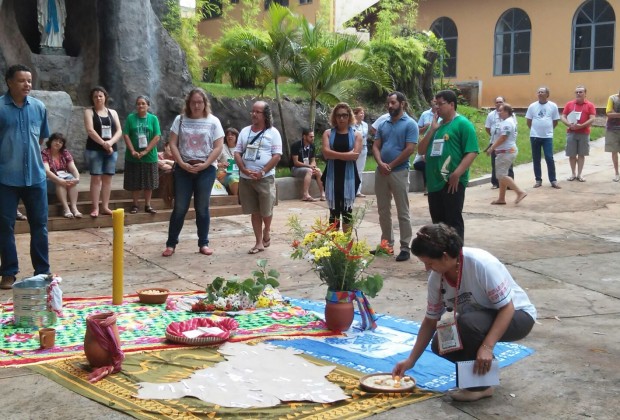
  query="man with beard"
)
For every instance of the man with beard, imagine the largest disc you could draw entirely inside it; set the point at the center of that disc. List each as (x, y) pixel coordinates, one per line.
(450, 148)
(394, 144)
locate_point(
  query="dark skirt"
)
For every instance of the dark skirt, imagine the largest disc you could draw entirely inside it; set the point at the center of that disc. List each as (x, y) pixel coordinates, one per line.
(140, 176)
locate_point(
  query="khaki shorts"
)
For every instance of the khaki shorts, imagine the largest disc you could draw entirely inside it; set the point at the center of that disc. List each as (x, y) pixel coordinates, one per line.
(503, 162)
(612, 141)
(577, 144)
(258, 196)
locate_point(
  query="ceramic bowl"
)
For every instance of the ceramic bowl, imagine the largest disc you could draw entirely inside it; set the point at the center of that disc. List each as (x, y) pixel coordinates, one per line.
(153, 295)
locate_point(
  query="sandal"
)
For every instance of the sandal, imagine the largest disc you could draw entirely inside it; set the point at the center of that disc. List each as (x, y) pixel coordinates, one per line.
(580, 179)
(149, 209)
(205, 250)
(68, 215)
(266, 242)
(94, 214)
(20, 216)
(167, 252)
(255, 250)
(571, 178)
(133, 210)
(78, 215)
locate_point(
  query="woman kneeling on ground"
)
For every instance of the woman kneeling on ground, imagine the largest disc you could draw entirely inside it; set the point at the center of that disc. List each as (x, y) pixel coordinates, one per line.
(471, 287)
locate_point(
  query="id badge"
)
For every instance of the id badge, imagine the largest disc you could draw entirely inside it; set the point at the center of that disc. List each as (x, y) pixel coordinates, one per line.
(106, 132)
(232, 167)
(251, 153)
(448, 336)
(306, 161)
(142, 142)
(437, 149)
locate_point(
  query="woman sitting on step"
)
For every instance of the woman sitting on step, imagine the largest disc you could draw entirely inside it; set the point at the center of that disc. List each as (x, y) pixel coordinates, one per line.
(62, 174)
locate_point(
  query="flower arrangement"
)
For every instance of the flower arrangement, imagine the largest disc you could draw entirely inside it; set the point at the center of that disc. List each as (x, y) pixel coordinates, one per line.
(339, 258)
(258, 291)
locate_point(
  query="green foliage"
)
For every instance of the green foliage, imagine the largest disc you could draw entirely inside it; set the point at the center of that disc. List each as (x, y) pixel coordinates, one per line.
(184, 30)
(251, 286)
(388, 17)
(322, 63)
(234, 56)
(403, 58)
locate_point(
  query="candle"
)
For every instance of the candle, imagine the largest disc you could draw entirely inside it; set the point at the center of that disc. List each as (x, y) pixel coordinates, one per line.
(118, 218)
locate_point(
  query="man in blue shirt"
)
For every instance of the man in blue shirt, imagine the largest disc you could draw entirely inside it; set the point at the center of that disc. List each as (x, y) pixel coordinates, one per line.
(394, 144)
(23, 127)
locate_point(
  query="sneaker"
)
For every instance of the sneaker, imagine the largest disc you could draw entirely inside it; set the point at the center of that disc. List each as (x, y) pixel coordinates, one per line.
(538, 184)
(7, 282)
(555, 185)
(617, 178)
(403, 256)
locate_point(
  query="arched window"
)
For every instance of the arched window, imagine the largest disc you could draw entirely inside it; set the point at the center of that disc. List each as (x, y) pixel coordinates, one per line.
(445, 29)
(594, 27)
(513, 33)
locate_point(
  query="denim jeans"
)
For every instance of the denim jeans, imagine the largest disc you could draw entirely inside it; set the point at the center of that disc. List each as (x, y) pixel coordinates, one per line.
(35, 201)
(185, 185)
(547, 146)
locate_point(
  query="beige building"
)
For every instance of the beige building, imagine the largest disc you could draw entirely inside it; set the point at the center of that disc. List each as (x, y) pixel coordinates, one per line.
(510, 48)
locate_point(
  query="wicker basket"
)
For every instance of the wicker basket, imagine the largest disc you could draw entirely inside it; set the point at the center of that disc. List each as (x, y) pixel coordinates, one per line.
(174, 331)
(198, 341)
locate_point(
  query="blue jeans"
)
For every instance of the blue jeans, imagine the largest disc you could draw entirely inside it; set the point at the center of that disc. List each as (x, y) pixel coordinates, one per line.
(35, 201)
(547, 146)
(185, 185)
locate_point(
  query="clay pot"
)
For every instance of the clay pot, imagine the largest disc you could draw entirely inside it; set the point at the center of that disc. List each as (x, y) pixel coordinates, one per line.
(96, 353)
(339, 315)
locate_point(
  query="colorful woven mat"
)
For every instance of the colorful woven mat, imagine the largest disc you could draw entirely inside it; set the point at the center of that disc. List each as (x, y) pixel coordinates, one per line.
(117, 391)
(141, 327)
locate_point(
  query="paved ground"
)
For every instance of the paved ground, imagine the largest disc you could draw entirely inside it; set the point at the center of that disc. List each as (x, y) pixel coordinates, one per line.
(562, 246)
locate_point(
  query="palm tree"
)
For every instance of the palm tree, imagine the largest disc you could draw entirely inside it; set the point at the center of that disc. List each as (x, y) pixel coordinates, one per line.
(275, 52)
(323, 61)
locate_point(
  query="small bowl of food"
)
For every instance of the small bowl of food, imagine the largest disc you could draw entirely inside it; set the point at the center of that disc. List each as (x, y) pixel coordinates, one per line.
(153, 295)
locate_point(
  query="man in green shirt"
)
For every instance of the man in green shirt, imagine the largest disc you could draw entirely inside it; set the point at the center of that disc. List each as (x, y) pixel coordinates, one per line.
(450, 148)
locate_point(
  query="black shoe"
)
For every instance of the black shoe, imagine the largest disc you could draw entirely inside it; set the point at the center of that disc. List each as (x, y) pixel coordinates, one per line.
(403, 256)
(7, 282)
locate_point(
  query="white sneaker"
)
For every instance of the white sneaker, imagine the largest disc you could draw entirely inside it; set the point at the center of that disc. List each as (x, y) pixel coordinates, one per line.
(617, 178)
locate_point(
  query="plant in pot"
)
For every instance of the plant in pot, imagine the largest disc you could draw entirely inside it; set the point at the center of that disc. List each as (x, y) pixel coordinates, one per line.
(341, 261)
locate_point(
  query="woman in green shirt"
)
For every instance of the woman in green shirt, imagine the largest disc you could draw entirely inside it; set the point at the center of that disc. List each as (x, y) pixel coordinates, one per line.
(141, 134)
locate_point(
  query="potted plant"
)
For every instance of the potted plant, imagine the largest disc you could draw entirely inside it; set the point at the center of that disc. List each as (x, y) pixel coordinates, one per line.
(341, 260)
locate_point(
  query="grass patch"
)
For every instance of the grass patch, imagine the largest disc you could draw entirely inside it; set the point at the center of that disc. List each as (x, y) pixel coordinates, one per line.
(225, 90)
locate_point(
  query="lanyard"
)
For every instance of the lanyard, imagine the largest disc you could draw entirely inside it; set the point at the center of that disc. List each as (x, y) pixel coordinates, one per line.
(459, 276)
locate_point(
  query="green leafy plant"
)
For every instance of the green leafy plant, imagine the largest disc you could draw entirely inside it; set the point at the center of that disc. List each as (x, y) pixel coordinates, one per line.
(339, 258)
(236, 294)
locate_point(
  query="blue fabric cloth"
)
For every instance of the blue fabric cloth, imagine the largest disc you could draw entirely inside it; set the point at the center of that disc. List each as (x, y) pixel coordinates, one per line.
(34, 198)
(52, 17)
(392, 341)
(394, 136)
(349, 175)
(185, 185)
(21, 129)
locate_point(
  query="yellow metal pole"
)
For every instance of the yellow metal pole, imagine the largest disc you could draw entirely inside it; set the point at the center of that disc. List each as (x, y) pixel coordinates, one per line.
(118, 218)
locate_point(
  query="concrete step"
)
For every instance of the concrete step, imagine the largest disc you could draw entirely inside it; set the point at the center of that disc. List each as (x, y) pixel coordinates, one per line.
(59, 223)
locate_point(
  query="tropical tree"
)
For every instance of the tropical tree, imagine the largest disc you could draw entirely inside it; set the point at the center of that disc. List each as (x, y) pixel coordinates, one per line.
(323, 61)
(274, 52)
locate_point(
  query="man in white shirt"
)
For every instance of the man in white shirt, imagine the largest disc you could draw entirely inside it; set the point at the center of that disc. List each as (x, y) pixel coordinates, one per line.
(492, 126)
(542, 116)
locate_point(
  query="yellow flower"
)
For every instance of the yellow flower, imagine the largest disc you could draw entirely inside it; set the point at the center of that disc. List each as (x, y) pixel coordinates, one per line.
(322, 252)
(309, 238)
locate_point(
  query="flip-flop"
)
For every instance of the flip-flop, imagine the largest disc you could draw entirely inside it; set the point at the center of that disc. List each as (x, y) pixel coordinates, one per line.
(78, 215)
(520, 198)
(310, 199)
(255, 250)
(94, 214)
(68, 215)
(497, 202)
(21, 217)
(266, 242)
(323, 198)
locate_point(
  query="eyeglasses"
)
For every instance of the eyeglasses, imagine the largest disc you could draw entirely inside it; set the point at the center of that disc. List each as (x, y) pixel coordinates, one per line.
(342, 115)
(440, 103)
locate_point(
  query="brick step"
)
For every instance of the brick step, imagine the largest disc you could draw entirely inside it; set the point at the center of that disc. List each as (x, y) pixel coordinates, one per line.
(59, 223)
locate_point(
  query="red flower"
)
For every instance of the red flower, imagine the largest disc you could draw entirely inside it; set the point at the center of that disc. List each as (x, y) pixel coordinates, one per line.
(296, 243)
